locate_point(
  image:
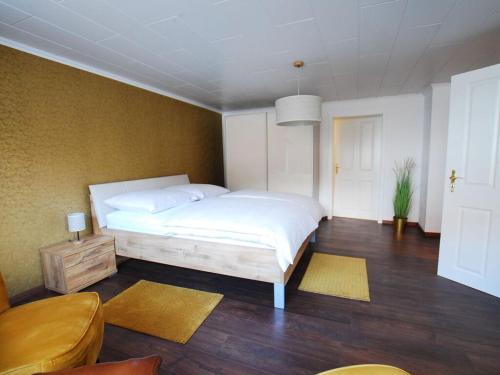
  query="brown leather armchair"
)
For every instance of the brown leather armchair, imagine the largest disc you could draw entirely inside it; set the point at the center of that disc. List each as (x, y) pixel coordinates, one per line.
(50, 334)
(135, 366)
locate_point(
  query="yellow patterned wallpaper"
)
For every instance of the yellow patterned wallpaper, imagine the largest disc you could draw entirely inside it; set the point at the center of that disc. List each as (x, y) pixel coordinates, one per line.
(62, 129)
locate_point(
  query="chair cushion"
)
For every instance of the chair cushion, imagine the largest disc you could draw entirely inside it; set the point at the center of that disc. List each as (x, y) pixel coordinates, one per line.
(366, 370)
(51, 334)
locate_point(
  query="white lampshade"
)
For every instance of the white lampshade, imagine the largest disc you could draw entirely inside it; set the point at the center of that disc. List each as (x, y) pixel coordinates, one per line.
(298, 110)
(76, 222)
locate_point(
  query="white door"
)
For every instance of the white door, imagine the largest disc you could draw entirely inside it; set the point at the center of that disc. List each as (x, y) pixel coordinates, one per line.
(356, 167)
(470, 238)
(245, 151)
(290, 157)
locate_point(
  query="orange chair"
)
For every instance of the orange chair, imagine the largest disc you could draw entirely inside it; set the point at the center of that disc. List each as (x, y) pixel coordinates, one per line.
(136, 366)
(50, 334)
(366, 370)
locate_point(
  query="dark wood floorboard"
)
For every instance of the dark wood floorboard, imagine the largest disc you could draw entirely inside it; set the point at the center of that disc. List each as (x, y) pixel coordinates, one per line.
(416, 320)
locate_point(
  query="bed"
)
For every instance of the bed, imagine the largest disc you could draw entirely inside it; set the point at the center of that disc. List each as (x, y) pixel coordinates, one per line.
(248, 234)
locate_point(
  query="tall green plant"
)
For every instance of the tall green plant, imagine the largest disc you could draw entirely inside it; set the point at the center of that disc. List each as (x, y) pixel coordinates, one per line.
(403, 196)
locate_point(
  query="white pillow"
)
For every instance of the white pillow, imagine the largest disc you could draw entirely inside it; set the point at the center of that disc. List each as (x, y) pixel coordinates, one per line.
(200, 190)
(149, 200)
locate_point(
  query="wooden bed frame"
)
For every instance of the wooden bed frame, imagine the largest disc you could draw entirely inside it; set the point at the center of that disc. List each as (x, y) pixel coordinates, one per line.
(254, 263)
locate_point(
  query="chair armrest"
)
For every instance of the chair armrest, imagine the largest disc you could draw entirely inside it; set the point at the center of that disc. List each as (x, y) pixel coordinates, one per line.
(4, 297)
(135, 366)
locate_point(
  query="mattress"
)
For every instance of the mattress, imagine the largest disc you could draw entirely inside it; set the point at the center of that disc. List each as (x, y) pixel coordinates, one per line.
(155, 224)
(259, 219)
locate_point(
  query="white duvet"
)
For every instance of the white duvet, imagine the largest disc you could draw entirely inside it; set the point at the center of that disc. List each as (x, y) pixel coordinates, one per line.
(276, 220)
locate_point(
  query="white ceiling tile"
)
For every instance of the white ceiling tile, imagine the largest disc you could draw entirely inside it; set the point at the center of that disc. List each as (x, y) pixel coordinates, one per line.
(10, 15)
(302, 38)
(31, 40)
(326, 92)
(409, 47)
(63, 18)
(426, 12)
(389, 90)
(155, 75)
(371, 73)
(227, 19)
(286, 11)
(156, 10)
(343, 56)
(433, 60)
(178, 33)
(365, 3)
(346, 86)
(136, 52)
(188, 60)
(379, 26)
(48, 31)
(337, 19)
(112, 18)
(468, 18)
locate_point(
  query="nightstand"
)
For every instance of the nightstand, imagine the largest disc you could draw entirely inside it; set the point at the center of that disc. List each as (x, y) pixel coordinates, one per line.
(69, 267)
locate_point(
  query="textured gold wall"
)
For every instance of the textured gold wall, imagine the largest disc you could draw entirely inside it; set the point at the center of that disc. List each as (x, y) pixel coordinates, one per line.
(62, 129)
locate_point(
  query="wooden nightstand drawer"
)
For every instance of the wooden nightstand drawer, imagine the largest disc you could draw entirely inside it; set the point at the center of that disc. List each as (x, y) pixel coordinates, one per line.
(88, 253)
(90, 271)
(69, 267)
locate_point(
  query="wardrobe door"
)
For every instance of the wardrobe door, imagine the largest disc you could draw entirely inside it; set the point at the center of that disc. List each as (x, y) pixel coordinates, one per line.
(290, 158)
(245, 151)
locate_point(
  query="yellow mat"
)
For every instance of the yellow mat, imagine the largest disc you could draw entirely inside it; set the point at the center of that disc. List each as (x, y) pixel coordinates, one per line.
(166, 311)
(337, 276)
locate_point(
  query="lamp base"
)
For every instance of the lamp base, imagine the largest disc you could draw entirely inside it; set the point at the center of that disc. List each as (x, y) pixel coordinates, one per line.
(76, 240)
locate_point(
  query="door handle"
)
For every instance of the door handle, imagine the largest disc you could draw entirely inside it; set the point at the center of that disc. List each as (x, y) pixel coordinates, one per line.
(453, 180)
(337, 167)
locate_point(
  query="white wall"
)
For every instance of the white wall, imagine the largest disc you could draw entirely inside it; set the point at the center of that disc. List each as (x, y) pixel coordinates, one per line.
(426, 141)
(402, 133)
(436, 176)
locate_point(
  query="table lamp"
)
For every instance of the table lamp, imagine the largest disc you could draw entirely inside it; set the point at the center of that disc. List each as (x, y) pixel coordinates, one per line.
(76, 223)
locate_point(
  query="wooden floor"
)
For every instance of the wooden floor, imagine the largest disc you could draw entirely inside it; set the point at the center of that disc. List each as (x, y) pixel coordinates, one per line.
(416, 320)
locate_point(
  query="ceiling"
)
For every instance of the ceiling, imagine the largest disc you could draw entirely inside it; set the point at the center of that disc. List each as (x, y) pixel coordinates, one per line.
(233, 54)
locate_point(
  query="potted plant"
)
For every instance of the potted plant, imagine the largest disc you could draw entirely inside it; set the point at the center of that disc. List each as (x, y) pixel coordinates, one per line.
(403, 196)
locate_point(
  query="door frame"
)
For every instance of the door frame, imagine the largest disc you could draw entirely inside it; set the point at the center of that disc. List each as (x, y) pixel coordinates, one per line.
(379, 183)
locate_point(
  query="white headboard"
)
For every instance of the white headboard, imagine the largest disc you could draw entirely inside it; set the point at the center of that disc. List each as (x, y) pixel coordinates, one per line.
(102, 192)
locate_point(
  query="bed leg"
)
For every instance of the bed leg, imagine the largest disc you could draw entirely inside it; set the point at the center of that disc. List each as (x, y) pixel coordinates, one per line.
(279, 295)
(313, 237)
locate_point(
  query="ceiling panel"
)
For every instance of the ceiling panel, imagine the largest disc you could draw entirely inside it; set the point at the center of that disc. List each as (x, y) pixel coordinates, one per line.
(346, 86)
(112, 18)
(238, 53)
(343, 56)
(426, 12)
(410, 45)
(11, 15)
(149, 11)
(286, 11)
(336, 19)
(379, 26)
(371, 74)
(469, 18)
(62, 17)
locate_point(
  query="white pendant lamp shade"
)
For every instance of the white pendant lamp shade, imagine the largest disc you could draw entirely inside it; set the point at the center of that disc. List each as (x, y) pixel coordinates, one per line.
(298, 110)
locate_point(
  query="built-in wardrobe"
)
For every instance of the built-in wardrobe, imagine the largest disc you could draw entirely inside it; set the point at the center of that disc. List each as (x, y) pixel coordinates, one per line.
(258, 154)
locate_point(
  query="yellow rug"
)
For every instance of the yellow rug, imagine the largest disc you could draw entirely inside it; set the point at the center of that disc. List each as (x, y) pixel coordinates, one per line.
(337, 276)
(166, 311)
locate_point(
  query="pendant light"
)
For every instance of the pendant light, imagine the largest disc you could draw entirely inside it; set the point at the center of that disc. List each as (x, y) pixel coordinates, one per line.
(298, 109)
